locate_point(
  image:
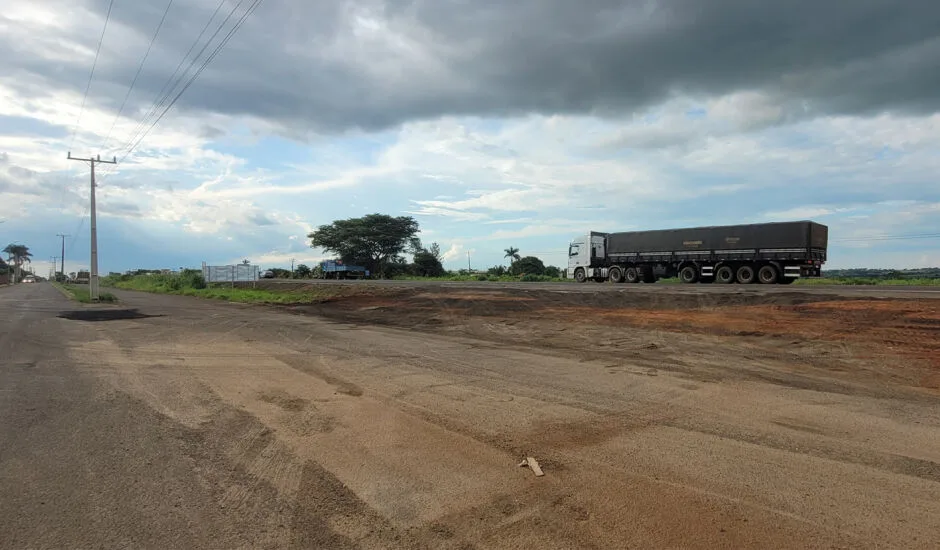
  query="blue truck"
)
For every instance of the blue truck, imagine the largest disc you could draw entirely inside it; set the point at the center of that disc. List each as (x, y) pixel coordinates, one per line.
(336, 269)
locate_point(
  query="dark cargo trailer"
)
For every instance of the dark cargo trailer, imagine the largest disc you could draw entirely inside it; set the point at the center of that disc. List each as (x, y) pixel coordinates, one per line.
(768, 253)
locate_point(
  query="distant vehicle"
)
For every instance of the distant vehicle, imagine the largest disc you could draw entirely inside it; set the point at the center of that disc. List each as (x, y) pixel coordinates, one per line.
(768, 253)
(29, 279)
(335, 269)
(83, 277)
(267, 274)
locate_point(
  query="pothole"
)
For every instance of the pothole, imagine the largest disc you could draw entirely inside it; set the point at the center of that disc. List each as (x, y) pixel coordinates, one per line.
(104, 315)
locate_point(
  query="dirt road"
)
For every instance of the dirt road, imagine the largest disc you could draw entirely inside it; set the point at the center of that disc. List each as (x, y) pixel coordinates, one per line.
(171, 422)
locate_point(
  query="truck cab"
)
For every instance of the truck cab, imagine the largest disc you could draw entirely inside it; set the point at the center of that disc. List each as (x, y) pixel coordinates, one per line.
(586, 257)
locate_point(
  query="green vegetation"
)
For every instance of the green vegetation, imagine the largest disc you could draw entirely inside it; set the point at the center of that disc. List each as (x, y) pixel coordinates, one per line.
(894, 274)
(868, 281)
(464, 276)
(190, 283)
(929, 276)
(82, 294)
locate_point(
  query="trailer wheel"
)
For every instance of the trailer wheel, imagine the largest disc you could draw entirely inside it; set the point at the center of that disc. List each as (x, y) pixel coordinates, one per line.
(767, 275)
(579, 275)
(616, 275)
(632, 275)
(688, 274)
(724, 275)
(746, 274)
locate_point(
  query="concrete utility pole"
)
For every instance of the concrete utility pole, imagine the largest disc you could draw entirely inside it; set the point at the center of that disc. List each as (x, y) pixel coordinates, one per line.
(52, 269)
(93, 275)
(469, 269)
(62, 257)
(292, 268)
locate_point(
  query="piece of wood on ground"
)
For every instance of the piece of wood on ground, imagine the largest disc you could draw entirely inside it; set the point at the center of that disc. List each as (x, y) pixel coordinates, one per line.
(534, 465)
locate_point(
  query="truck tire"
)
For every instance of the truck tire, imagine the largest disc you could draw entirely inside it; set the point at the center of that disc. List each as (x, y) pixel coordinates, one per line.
(688, 275)
(615, 275)
(768, 275)
(632, 275)
(724, 275)
(746, 274)
(579, 275)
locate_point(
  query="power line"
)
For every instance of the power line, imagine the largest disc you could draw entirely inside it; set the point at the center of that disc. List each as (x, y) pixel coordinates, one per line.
(137, 75)
(91, 75)
(151, 118)
(164, 93)
(208, 60)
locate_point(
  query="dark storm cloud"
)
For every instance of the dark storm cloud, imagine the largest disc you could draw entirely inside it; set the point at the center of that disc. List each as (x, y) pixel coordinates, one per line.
(323, 66)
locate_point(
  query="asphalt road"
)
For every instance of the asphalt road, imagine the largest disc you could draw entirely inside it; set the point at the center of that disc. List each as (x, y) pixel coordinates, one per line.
(873, 291)
(173, 422)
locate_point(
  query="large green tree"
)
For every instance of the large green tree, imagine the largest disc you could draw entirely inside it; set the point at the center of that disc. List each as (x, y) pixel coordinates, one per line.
(372, 241)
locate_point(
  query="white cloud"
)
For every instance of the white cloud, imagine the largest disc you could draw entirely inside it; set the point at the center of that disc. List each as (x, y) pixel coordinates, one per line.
(800, 213)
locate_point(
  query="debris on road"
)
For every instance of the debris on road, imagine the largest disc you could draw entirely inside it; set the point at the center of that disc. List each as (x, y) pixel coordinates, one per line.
(533, 464)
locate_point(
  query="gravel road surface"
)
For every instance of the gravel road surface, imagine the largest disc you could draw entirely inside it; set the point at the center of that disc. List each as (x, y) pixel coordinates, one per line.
(173, 422)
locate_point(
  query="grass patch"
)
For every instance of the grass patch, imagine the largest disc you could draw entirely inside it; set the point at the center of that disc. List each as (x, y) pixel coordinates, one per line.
(868, 281)
(483, 277)
(191, 283)
(81, 293)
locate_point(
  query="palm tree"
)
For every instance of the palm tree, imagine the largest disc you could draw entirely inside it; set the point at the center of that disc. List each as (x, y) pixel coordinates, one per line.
(512, 253)
(18, 254)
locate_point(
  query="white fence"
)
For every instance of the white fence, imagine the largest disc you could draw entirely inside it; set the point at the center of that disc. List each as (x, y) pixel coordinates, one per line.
(230, 273)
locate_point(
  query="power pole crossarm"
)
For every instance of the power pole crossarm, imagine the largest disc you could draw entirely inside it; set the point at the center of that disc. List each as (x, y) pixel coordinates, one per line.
(93, 275)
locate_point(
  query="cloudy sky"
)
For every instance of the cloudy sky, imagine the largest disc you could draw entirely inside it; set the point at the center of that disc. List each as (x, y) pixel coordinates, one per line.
(495, 123)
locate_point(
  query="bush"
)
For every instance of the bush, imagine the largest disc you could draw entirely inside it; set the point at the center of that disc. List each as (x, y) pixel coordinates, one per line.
(529, 265)
(192, 278)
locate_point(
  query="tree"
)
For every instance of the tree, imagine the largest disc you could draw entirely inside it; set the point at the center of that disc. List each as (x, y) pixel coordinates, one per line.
(529, 265)
(18, 254)
(373, 240)
(303, 271)
(552, 271)
(512, 253)
(426, 264)
(435, 250)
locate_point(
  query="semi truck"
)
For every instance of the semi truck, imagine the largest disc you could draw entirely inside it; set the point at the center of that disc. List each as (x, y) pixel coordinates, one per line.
(766, 253)
(335, 269)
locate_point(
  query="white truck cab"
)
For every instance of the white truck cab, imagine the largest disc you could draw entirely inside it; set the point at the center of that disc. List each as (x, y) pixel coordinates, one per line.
(586, 257)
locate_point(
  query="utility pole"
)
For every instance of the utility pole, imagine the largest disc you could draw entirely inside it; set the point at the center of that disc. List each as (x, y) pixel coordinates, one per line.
(62, 257)
(93, 275)
(468, 263)
(52, 269)
(292, 268)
